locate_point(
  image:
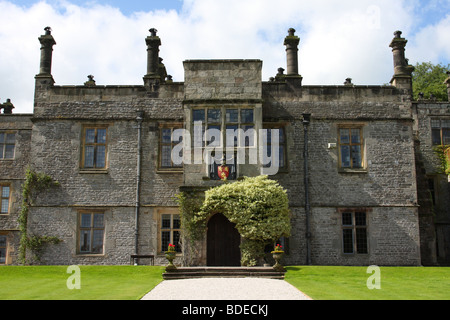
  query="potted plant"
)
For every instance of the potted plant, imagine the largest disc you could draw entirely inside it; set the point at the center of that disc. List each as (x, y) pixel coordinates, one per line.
(170, 255)
(277, 254)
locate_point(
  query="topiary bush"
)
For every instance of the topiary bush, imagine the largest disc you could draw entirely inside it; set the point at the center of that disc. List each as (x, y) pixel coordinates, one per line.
(258, 206)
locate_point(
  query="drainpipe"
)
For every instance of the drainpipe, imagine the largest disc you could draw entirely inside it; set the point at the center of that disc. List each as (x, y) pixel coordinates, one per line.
(306, 121)
(139, 119)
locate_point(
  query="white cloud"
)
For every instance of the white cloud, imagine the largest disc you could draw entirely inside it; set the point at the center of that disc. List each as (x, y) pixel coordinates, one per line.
(338, 40)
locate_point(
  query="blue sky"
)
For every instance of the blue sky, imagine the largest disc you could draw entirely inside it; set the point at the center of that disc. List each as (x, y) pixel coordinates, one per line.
(127, 7)
(339, 39)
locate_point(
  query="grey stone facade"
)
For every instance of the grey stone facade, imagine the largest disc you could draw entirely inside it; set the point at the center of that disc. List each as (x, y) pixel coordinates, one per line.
(133, 190)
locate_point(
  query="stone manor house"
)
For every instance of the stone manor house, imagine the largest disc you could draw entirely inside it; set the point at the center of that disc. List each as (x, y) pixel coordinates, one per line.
(358, 163)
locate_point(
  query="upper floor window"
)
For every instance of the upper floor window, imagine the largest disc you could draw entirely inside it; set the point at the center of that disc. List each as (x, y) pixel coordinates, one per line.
(7, 145)
(229, 127)
(94, 147)
(440, 131)
(351, 148)
(166, 146)
(267, 147)
(5, 194)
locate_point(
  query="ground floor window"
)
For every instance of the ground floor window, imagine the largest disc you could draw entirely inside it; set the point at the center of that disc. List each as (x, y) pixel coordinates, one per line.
(170, 225)
(3, 249)
(354, 232)
(91, 230)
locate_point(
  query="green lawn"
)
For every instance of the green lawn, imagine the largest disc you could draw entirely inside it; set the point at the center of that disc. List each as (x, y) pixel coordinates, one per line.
(350, 283)
(97, 282)
(132, 282)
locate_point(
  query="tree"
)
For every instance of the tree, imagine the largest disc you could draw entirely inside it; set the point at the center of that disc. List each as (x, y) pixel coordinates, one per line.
(429, 80)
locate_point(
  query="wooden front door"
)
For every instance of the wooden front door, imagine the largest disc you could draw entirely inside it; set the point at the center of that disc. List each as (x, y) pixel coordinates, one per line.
(223, 242)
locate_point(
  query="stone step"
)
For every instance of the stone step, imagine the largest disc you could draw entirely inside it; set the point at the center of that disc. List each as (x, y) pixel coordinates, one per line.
(222, 272)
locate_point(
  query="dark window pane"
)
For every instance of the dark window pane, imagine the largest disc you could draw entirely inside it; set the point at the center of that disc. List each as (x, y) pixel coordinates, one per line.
(85, 241)
(165, 240)
(360, 218)
(98, 220)
(436, 136)
(361, 240)
(246, 115)
(198, 115)
(165, 221)
(176, 241)
(11, 138)
(347, 240)
(5, 192)
(356, 137)
(345, 135)
(2, 138)
(97, 241)
(232, 136)
(446, 136)
(232, 115)
(176, 221)
(89, 157)
(356, 156)
(214, 116)
(166, 135)
(9, 151)
(101, 157)
(101, 135)
(347, 219)
(2, 241)
(345, 156)
(166, 156)
(86, 220)
(90, 136)
(249, 136)
(5, 206)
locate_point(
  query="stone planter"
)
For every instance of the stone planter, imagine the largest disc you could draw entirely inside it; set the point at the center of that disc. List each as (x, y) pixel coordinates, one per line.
(170, 256)
(277, 255)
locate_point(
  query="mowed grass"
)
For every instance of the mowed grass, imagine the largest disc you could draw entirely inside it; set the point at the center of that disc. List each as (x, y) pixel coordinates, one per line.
(97, 282)
(350, 283)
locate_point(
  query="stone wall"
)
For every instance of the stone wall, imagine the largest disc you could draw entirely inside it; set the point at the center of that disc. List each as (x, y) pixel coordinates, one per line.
(12, 173)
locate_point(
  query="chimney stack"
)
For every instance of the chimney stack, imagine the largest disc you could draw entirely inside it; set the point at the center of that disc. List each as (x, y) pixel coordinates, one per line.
(291, 42)
(402, 78)
(45, 70)
(153, 42)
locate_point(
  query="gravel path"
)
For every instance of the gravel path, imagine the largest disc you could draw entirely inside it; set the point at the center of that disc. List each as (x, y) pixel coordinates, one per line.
(225, 289)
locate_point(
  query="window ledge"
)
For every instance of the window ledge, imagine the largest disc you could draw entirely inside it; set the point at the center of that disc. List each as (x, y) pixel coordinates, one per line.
(93, 171)
(165, 171)
(349, 170)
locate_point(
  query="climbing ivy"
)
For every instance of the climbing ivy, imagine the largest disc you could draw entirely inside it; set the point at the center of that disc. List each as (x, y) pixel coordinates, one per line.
(443, 154)
(258, 206)
(34, 183)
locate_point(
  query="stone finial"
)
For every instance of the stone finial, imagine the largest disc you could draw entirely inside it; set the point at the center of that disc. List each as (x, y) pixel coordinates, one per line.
(7, 107)
(90, 82)
(48, 31)
(398, 34)
(153, 32)
(348, 82)
(291, 32)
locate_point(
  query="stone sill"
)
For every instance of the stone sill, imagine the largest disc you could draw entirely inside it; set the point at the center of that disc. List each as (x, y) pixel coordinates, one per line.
(356, 171)
(93, 171)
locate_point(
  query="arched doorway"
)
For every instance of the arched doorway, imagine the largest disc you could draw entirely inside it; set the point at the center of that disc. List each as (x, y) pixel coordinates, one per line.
(223, 242)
